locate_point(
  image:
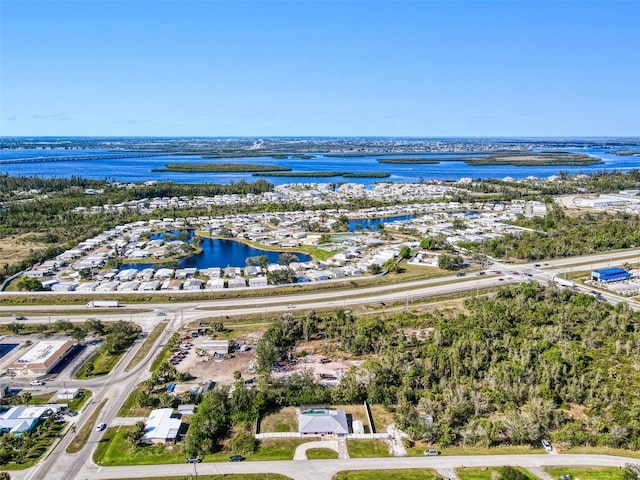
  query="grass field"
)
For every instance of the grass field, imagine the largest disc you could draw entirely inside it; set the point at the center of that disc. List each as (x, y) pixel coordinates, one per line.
(587, 473)
(283, 420)
(484, 473)
(103, 362)
(404, 474)
(321, 454)
(114, 450)
(619, 452)
(367, 448)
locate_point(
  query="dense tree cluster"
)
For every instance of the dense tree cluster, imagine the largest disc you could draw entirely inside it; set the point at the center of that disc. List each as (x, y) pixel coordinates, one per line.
(522, 365)
(223, 412)
(558, 235)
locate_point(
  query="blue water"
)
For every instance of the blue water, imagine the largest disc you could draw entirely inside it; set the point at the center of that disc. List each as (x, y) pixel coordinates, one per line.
(372, 223)
(139, 169)
(6, 348)
(221, 253)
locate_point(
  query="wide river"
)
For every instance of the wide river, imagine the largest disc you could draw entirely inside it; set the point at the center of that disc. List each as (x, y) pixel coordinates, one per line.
(140, 169)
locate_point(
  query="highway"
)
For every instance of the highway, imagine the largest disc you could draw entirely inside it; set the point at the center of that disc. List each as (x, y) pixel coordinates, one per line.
(116, 387)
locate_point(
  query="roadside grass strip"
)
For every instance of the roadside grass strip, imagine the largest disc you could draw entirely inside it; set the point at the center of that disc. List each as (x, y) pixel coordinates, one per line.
(146, 345)
(404, 474)
(486, 473)
(82, 436)
(587, 473)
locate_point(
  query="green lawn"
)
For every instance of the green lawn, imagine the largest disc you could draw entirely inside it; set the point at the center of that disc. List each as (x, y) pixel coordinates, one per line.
(404, 474)
(458, 450)
(231, 476)
(484, 473)
(321, 454)
(367, 448)
(277, 449)
(114, 450)
(587, 473)
(77, 403)
(604, 451)
(102, 361)
(166, 352)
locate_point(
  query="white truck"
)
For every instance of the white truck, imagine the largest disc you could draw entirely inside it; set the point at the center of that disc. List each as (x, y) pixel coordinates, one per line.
(563, 282)
(103, 304)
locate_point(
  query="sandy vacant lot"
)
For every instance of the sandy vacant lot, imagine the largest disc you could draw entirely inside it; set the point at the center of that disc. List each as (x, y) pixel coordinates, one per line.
(220, 370)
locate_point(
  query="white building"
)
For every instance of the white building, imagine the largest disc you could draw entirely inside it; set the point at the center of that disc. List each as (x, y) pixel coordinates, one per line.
(160, 427)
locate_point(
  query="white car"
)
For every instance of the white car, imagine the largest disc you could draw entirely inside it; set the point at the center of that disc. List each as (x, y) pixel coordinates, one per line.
(36, 383)
(547, 446)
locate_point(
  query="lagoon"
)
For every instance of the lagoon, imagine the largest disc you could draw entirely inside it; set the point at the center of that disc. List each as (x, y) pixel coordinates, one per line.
(372, 223)
(218, 252)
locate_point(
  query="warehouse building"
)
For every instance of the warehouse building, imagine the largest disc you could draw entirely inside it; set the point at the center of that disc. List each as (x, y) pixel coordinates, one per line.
(41, 358)
(607, 275)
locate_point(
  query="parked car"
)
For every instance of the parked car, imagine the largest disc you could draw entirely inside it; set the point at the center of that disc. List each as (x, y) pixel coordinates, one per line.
(194, 460)
(547, 446)
(431, 452)
(101, 426)
(236, 458)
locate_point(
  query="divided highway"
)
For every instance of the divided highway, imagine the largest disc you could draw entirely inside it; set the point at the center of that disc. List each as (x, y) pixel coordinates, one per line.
(116, 386)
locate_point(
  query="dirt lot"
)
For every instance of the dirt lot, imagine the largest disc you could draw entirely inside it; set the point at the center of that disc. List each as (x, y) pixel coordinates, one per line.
(327, 371)
(220, 370)
(15, 248)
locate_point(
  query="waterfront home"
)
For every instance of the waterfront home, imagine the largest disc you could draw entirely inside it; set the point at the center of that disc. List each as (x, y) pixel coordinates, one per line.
(146, 274)
(163, 273)
(186, 272)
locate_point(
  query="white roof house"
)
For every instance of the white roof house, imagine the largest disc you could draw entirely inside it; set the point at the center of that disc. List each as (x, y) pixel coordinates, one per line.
(160, 427)
(322, 421)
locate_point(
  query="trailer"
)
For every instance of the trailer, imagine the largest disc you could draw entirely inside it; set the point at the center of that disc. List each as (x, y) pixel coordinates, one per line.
(563, 282)
(103, 304)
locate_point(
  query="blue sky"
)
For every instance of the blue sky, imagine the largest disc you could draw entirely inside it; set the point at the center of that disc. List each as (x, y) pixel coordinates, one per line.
(420, 68)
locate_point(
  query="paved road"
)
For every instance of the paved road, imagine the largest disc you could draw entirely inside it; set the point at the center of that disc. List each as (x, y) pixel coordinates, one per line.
(405, 291)
(115, 389)
(325, 469)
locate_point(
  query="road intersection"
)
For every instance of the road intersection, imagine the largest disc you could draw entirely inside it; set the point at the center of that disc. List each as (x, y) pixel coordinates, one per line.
(116, 387)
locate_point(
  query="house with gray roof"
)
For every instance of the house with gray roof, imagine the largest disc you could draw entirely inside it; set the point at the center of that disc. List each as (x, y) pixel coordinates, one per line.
(322, 421)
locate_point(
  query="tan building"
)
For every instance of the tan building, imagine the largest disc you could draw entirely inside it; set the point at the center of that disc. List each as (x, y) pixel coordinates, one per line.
(41, 358)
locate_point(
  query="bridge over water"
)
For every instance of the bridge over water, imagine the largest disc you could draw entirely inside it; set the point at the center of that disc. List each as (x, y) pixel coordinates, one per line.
(77, 158)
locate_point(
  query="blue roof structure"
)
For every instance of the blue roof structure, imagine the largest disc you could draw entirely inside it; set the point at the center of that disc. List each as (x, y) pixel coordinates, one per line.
(610, 274)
